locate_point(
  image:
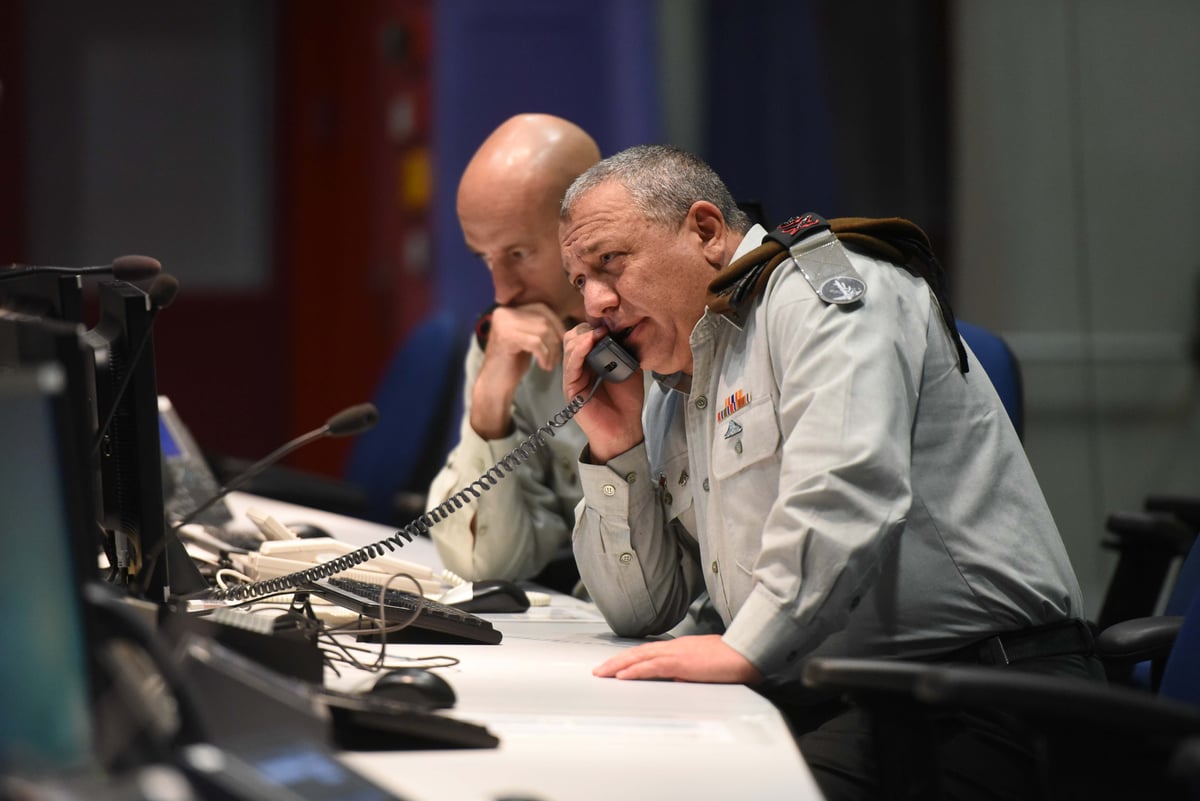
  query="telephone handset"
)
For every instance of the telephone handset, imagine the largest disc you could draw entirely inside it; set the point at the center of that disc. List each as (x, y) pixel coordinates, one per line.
(610, 361)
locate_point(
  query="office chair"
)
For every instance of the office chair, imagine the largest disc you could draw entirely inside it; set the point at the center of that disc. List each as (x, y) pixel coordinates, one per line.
(1187, 582)
(1147, 544)
(1136, 651)
(418, 398)
(1001, 366)
(1086, 739)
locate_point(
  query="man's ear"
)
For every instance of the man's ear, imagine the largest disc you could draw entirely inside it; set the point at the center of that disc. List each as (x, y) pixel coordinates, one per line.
(706, 220)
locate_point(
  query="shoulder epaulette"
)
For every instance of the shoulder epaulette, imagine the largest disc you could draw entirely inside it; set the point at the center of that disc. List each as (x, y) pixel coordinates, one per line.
(811, 241)
(808, 239)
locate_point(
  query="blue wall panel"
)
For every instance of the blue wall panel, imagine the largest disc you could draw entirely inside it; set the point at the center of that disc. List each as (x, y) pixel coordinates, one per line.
(593, 63)
(770, 133)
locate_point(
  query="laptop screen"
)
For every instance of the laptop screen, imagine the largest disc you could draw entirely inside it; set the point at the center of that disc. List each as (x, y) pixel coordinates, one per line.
(188, 482)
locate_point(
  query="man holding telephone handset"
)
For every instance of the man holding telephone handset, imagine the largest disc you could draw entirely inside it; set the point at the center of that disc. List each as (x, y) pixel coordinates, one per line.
(781, 460)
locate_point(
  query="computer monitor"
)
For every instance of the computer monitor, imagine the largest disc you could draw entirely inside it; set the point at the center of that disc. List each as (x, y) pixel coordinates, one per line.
(46, 726)
(51, 295)
(130, 457)
(110, 385)
(28, 342)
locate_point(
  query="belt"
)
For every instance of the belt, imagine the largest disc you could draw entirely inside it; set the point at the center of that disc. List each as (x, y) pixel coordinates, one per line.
(1055, 639)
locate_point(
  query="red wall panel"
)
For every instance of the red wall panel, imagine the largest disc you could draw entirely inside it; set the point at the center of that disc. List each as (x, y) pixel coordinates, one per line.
(354, 193)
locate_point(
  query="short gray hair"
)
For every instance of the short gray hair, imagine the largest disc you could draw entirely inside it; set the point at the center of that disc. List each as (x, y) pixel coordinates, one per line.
(663, 182)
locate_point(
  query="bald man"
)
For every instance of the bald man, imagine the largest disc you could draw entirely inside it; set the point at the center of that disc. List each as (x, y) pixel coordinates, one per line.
(508, 202)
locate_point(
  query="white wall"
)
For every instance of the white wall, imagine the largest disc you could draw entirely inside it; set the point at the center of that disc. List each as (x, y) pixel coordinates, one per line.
(1077, 197)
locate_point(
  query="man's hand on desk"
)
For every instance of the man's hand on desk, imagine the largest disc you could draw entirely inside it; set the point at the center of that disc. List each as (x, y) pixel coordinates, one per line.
(700, 658)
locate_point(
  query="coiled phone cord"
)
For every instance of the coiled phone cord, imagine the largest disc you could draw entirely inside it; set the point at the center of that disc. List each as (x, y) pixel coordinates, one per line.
(421, 525)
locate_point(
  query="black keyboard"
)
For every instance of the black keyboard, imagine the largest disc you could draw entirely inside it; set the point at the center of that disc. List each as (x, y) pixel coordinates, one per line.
(368, 723)
(435, 623)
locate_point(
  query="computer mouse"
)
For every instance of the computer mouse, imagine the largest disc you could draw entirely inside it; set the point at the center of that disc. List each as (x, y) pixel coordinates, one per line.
(494, 595)
(416, 686)
(308, 531)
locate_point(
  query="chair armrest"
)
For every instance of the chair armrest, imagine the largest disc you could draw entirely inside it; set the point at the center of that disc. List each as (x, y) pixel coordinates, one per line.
(1163, 533)
(1184, 507)
(1139, 639)
(1092, 739)
(1147, 545)
(888, 676)
(1060, 702)
(1056, 700)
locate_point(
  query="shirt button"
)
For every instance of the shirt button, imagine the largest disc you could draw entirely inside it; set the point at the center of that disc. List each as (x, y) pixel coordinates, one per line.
(626, 558)
(609, 490)
(737, 446)
(701, 402)
(705, 485)
(714, 566)
(683, 477)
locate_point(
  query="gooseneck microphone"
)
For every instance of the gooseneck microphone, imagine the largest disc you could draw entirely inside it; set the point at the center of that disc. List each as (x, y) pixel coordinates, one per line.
(353, 420)
(123, 268)
(345, 423)
(161, 292)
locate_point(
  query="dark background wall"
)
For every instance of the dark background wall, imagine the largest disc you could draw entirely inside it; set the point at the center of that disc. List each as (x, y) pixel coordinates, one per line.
(294, 164)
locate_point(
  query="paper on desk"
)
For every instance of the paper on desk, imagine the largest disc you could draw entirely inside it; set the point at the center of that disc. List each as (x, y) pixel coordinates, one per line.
(585, 614)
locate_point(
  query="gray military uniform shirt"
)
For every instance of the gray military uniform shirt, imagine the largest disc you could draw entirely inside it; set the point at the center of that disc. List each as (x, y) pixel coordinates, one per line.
(835, 483)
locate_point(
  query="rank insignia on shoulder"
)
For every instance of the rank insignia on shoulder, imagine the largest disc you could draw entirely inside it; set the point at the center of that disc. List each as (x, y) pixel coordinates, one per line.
(842, 289)
(795, 229)
(824, 264)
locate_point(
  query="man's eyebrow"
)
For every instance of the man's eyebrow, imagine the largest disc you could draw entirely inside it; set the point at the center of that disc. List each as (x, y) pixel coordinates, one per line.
(589, 247)
(515, 245)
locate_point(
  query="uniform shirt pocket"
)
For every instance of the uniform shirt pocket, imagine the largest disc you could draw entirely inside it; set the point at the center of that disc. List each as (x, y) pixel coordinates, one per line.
(743, 439)
(745, 470)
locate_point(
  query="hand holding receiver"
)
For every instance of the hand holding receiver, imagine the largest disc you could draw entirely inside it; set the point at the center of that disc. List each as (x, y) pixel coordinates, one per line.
(612, 419)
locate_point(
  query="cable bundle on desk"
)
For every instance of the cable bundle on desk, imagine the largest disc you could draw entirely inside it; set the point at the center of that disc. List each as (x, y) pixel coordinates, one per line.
(302, 616)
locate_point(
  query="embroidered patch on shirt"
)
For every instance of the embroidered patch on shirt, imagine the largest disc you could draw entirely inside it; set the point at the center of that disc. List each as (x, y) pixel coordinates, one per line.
(734, 402)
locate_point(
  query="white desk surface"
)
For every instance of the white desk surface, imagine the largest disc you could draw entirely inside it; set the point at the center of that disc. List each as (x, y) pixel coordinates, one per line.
(566, 735)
